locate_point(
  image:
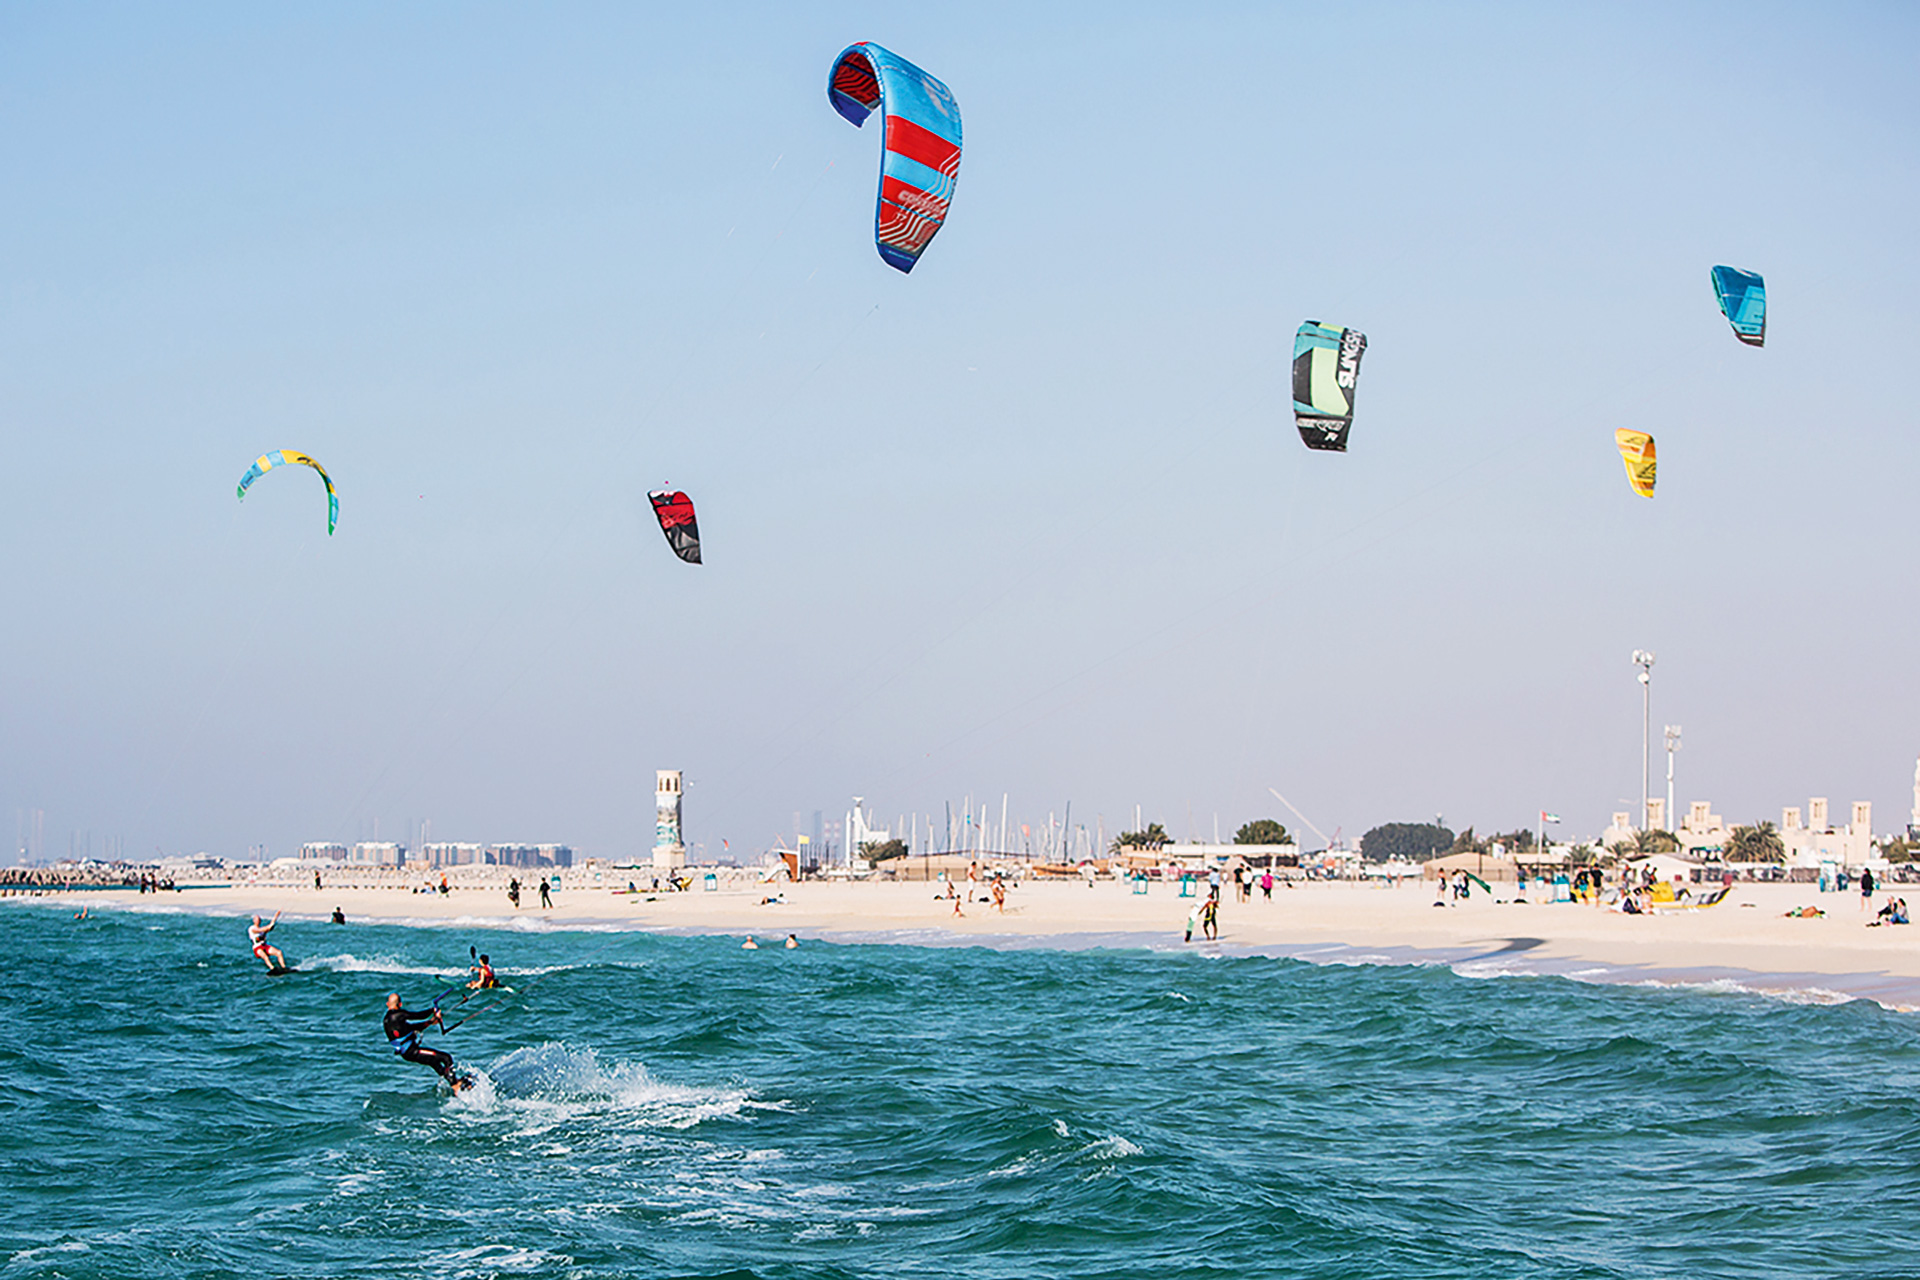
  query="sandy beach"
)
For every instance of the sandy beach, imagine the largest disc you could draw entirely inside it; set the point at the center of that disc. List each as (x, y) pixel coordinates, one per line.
(1746, 941)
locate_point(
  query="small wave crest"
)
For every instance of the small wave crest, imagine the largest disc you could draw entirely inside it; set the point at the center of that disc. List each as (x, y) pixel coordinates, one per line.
(371, 964)
(557, 1081)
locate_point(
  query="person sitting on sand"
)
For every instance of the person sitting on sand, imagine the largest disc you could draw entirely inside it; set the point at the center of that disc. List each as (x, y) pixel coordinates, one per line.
(268, 954)
(1803, 913)
(1630, 903)
(1893, 911)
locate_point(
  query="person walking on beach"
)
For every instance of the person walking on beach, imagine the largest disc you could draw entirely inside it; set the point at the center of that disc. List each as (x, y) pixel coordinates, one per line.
(1266, 885)
(513, 892)
(546, 894)
(1866, 888)
(268, 954)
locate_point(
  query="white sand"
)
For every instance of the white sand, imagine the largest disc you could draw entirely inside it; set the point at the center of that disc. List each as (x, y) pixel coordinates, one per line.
(1747, 932)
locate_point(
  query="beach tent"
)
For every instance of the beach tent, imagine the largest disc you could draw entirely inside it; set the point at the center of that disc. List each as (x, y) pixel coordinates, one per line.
(1666, 866)
(1487, 866)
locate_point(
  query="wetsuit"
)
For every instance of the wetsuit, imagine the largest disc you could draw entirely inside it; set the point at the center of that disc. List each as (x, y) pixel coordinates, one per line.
(403, 1037)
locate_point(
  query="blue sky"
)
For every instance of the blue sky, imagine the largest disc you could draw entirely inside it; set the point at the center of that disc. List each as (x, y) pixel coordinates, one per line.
(1033, 520)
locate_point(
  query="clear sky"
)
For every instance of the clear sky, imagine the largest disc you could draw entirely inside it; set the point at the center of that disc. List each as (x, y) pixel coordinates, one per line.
(1033, 520)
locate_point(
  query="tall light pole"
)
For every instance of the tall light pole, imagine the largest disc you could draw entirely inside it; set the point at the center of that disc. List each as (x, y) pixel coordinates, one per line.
(1673, 745)
(1643, 659)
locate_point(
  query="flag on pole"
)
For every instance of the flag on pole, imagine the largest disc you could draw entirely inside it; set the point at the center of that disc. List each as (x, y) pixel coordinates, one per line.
(1549, 817)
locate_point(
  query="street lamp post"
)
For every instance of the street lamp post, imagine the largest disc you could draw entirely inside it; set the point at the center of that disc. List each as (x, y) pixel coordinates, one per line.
(1673, 745)
(1643, 659)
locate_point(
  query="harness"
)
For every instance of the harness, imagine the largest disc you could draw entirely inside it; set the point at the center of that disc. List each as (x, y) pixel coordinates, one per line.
(403, 1045)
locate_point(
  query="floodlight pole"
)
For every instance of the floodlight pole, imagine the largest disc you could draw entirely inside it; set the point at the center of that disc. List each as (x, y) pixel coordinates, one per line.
(1643, 658)
(1673, 745)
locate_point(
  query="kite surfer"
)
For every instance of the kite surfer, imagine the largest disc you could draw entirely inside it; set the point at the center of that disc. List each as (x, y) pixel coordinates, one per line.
(483, 975)
(269, 954)
(403, 1037)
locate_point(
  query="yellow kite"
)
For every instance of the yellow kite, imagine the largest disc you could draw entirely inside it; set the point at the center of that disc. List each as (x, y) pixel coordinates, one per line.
(1636, 450)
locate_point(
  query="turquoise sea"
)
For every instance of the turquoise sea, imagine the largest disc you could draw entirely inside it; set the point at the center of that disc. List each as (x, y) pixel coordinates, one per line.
(660, 1106)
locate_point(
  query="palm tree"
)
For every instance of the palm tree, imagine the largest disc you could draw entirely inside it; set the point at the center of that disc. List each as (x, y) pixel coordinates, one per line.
(1758, 843)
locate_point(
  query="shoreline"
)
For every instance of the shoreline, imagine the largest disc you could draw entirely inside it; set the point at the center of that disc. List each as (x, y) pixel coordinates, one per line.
(1730, 946)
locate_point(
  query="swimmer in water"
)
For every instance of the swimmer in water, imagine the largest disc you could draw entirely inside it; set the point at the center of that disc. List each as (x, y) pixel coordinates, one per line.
(792, 942)
(269, 955)
(749, 944)
(403, 1037)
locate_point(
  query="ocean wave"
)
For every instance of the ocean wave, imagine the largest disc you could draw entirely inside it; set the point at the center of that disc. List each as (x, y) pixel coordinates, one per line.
(553, 1082)
(348, 963)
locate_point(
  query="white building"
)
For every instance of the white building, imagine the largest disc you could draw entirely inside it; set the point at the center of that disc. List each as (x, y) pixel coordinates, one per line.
(1816, 841)
(321, 851)
(376, 853)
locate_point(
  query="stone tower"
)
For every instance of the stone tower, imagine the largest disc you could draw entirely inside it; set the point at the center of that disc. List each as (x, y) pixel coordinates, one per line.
(669, 850)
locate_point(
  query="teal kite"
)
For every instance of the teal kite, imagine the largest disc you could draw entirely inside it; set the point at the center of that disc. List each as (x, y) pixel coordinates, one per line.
(1743, 301)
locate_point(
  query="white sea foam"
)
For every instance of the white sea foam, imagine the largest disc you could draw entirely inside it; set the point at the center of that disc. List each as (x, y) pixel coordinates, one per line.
(1111, 1147)
(545, 1085)
(47, 1251)
(372, 964)
(492, 1259)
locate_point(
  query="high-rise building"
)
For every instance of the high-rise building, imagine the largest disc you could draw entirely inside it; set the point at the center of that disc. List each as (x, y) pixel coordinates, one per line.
(669, 847)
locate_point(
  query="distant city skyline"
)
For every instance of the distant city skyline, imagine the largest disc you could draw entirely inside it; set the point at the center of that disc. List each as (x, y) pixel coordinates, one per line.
(1032, 520)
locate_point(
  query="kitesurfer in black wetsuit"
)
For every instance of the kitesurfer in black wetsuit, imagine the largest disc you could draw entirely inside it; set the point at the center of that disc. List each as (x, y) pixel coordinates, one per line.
(403, 1037)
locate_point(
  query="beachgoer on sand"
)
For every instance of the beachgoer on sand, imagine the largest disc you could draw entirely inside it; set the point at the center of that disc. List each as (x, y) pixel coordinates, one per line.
(1866, 888)
(546, 894)
(1193, 918)
(1210, 919)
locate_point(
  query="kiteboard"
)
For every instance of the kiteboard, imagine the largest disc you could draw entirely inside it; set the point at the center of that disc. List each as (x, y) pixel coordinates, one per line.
(282, 971)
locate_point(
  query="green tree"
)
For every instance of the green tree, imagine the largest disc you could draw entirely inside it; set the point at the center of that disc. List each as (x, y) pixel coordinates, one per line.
(1154, 837)
(1261, 831)
(1898, 849)
(1407, 841)
(1465, 843)
(1757, 843)
(1646, 842)
(882, 850)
